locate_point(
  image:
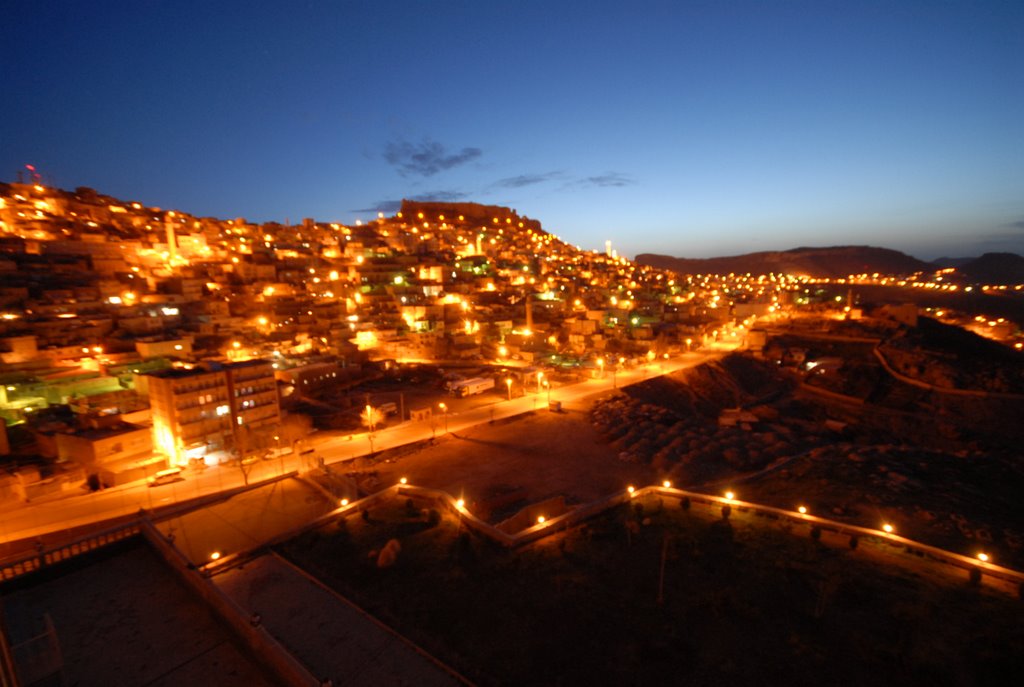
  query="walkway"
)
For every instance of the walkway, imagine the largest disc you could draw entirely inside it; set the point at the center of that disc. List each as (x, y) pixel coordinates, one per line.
(331, 636)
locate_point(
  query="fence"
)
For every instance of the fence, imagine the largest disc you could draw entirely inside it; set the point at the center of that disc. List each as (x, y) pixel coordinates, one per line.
(43, 557)
(582, 513)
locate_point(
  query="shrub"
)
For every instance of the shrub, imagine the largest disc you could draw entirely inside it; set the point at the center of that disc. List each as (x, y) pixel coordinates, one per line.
(974, 577)
(816, 533)
(726, 511)
(684, 503)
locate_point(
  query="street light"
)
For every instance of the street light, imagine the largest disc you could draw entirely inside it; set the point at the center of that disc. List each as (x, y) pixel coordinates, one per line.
(540, 376)
(508, 383)
(444, 410)
(600, 366)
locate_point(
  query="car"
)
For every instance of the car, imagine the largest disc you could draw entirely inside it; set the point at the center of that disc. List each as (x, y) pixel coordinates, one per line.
(166, 477)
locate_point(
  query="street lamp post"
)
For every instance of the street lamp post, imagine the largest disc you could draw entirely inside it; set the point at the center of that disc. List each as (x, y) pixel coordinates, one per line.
(508, 383)
(370, 422)
(615, 371)
(540, 378)
(444, 411)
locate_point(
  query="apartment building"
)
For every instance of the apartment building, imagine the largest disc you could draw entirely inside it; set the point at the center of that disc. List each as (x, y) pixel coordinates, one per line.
(199, 411)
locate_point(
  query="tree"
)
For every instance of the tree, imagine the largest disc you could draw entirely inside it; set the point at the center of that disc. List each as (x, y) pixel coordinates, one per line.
(371, 417)
(244, 445)
(294, 428)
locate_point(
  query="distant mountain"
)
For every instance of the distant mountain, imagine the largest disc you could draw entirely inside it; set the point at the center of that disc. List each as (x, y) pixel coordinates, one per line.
(836, 261)
(994, 268)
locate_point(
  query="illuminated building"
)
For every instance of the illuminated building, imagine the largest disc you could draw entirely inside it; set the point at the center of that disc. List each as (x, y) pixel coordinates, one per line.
(198, 411)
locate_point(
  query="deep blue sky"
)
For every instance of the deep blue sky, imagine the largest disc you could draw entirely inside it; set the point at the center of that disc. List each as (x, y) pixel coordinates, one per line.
(686, 128)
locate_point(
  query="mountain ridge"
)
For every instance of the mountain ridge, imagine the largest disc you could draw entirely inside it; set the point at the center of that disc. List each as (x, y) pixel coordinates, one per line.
(830, 261)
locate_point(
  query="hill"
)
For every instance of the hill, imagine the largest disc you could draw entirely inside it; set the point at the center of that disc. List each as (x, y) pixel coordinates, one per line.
(994, 268)
(835, 261)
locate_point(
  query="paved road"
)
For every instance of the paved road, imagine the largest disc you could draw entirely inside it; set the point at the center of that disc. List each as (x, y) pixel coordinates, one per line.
(52, 516)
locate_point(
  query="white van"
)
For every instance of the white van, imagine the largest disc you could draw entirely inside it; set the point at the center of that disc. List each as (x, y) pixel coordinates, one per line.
(165, 477)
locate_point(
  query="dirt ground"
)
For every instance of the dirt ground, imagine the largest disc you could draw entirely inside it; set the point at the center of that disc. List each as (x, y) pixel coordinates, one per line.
(245, 520)
(543, 454)
(670, 595)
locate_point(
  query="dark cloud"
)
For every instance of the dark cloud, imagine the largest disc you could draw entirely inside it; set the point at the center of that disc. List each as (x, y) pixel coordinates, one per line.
(426, 158)
(606, 180)
(610, 179)
(526, 180)
(1019, 224)
(390, 207)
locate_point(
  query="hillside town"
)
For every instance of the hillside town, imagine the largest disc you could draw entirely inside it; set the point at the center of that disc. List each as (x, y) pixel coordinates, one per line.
(135, 339)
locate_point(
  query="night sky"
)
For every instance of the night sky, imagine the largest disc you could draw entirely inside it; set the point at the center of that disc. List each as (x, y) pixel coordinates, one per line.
(687, 128)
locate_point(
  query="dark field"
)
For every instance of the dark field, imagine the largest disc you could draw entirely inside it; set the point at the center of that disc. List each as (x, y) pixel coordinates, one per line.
(743, 599)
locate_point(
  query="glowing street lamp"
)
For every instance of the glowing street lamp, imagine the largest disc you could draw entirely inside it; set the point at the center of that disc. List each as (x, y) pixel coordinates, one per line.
(508, 383)
(540, 377)
(444, 411)
(600, 366)
(889, 529)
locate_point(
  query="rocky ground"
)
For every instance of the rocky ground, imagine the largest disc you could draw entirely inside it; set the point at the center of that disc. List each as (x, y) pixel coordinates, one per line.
(901, 456)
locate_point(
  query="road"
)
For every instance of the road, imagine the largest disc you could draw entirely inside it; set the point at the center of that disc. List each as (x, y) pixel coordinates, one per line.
(28, 521)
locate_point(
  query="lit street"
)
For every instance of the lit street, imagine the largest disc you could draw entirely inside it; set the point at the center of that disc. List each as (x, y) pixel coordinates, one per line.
(56, 514)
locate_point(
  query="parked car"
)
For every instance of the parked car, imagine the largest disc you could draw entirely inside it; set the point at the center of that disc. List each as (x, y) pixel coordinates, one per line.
(165, 477)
